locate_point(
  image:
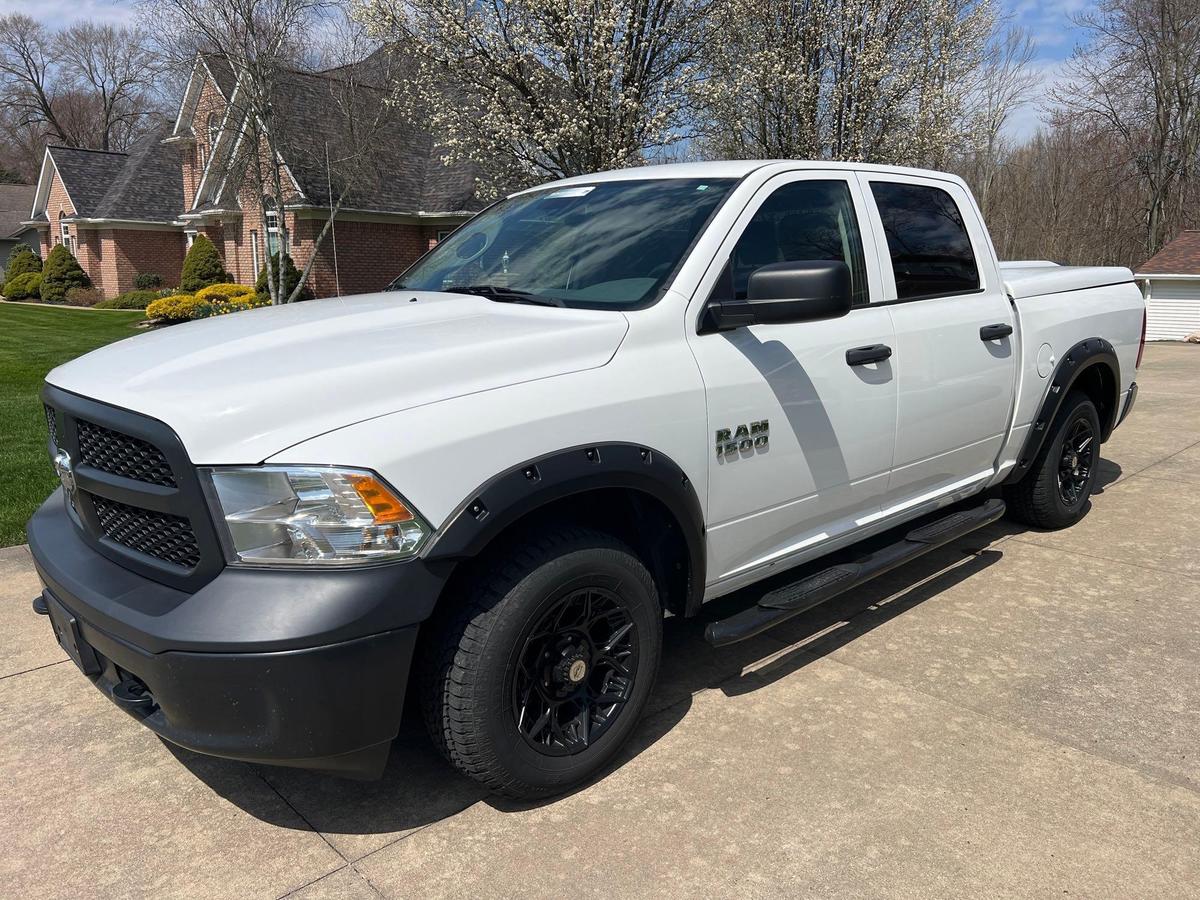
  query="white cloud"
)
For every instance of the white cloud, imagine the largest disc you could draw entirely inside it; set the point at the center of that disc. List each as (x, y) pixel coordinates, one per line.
(54, 13)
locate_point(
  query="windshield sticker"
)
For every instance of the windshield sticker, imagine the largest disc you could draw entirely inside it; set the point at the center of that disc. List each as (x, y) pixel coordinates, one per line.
(571, 192)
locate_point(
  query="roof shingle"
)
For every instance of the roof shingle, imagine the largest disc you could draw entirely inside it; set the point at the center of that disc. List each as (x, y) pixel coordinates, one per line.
(16, 202)
(405, 173)
(86, 174)
(143, 185)
(1180, 257)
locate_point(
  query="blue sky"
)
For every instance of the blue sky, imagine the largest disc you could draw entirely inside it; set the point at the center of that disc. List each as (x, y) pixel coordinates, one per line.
(1049, 21)
(1055, 38)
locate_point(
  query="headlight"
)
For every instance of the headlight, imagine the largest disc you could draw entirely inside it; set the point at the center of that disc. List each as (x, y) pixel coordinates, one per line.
(290, 515)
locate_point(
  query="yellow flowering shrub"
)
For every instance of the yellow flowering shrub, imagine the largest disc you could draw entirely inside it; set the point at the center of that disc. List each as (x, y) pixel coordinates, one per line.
(218, 292)
(234, 304)
(175, 308)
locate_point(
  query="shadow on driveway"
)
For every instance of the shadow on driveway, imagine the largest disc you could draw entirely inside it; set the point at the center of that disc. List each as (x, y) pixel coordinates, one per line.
(418, 788)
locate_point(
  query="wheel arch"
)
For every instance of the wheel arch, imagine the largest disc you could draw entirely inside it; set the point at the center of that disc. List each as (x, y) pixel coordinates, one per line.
(1090, 366)
(632, 491)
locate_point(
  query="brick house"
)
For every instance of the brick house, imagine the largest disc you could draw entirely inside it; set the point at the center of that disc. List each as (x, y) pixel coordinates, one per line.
(128, 213)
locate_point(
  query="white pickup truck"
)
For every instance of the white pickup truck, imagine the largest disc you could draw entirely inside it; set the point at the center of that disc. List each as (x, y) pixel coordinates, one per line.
(597, 401)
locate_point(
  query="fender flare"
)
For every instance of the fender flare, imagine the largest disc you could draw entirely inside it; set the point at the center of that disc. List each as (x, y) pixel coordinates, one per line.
(514, 493)
(1085, 355)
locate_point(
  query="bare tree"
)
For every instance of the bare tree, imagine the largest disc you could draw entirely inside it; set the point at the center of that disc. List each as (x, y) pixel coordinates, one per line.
(1004, 83)
(1138, 79)
(30, 74)
(88, 86)
(531, 89)
(117, 68)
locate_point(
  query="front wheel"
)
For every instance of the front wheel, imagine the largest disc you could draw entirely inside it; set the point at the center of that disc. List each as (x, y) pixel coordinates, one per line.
(541, 677)
(1054, 492)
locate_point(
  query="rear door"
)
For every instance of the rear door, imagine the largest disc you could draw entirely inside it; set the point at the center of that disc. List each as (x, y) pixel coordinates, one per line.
(829, 426)
(954, 359)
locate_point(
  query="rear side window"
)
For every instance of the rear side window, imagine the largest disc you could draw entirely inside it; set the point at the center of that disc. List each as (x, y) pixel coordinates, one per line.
(927, 239)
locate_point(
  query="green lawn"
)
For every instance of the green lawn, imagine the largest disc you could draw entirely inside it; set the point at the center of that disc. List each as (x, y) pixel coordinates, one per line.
(33, 340)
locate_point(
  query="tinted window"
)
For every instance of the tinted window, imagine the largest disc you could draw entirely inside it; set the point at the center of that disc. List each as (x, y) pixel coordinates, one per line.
(931, 253)
(804, 220)
(611, 245)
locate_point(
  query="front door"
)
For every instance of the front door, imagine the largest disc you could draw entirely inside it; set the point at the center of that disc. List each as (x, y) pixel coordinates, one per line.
(801, 440)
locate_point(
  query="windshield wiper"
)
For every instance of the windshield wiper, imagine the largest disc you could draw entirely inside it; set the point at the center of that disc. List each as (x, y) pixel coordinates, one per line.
(503, 294)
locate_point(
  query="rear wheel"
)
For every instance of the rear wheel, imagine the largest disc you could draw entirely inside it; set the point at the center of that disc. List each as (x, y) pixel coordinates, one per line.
(541, 676)
(1055, 491)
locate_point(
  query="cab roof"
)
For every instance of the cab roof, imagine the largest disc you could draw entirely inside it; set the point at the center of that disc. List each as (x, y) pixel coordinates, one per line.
(737, 169)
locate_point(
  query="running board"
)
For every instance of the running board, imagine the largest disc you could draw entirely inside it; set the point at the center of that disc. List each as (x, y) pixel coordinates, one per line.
(790, 600)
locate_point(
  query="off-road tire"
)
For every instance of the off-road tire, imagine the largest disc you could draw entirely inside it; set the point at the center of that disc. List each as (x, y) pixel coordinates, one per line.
(1037, 499)
(466, 668)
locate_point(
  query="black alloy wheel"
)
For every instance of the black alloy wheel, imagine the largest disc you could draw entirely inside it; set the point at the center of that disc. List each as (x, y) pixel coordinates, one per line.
(575, 672)
(1076, 463)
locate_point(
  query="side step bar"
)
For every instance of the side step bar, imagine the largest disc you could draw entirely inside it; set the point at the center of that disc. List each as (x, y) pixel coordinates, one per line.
(790, 600)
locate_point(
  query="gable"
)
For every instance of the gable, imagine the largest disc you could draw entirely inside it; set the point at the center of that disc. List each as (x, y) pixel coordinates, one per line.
(51, 196)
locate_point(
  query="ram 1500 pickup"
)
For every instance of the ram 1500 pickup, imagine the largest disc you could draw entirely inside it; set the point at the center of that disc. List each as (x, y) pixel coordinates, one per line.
(598, 401)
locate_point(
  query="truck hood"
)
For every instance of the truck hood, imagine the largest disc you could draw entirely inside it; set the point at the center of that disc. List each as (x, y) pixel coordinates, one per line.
(240, 388)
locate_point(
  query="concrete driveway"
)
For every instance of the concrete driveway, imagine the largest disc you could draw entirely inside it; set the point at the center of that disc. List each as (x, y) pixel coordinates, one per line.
(1015, 715)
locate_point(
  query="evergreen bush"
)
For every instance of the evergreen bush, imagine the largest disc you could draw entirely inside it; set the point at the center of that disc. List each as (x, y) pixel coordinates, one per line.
(60, 273)
(202, 266)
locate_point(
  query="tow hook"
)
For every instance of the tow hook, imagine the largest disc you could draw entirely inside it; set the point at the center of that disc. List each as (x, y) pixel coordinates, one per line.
(39, 605)
(132, 695)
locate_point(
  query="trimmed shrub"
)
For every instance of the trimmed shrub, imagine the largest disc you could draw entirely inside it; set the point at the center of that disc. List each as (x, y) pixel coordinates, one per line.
(129, 300)
(232, 305)
(176, 308)
(291, 277)
(202, 266)
(60, 273)
(84, 296)
(147, 281)
(21, 261)
(223, 291)
(24, 287)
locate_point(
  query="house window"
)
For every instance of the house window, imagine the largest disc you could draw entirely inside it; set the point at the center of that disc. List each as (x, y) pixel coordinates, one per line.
(200, 154)
(190, 237)
(273, 234)
(214, 129)
(254, 261)
(442, 235)
(65, 239)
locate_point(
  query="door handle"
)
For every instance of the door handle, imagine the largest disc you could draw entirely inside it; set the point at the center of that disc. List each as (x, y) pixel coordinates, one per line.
(995, 332)
(861, 356)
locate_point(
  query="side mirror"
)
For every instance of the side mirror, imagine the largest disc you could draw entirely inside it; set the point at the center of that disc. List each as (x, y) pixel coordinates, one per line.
(780, 293)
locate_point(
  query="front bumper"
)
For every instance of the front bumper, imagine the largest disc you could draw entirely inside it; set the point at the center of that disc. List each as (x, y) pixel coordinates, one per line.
(298, 668)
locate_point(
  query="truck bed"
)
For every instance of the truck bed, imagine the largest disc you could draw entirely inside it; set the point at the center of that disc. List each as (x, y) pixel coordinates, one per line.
(1032, 278)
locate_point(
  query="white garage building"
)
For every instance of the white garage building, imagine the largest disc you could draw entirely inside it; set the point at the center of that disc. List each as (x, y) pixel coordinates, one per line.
(1171, 282)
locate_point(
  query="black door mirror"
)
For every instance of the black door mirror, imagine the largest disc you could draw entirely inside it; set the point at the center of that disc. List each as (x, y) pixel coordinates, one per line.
(800, 291)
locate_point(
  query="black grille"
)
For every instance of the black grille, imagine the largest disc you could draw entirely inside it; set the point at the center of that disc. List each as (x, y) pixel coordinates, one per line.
(51, 424)
(161, 535)
(121, 454)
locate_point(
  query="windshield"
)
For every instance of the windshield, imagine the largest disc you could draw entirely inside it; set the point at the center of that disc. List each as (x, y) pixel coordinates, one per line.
(610, 245)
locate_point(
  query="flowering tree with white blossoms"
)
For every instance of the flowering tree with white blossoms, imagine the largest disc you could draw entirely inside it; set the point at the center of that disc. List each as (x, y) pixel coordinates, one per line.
(537, 89)
(873, 80)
